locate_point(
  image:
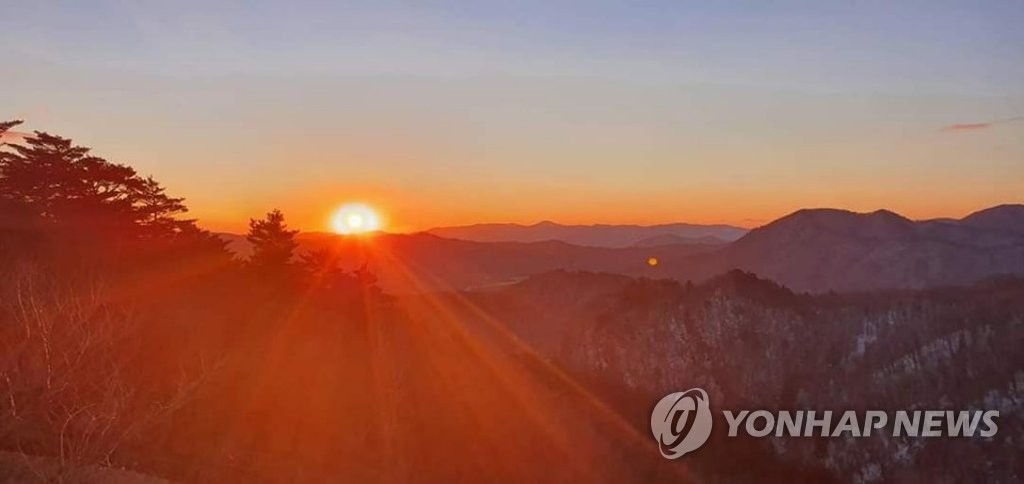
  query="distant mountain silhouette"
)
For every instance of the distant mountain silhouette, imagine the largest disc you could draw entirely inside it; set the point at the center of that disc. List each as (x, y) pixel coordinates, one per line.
(423, 261)
(1002, 217)
(819, 250)
(236, 243)
(616, 236)
(811, 250)
(672, 239)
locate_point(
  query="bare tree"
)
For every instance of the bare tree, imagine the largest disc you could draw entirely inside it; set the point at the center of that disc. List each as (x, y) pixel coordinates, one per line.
(66, 356)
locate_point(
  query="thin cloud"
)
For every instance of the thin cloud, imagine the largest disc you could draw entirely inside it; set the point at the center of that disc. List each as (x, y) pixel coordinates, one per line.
(980, 126)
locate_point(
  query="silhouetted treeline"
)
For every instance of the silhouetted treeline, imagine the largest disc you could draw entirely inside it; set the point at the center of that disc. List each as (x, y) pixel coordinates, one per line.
(116, 311)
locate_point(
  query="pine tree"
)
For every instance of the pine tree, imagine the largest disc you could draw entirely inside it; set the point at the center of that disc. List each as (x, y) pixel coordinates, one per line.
(57, 198)
(61, 185)
(273, 244)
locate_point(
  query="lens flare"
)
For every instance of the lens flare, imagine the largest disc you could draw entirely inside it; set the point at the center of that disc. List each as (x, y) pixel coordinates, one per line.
(355, 218)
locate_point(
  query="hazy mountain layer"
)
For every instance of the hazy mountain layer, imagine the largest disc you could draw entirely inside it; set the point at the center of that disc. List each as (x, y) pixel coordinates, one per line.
(417, 262)
(813, 250)
(600, 235)
(835, 250)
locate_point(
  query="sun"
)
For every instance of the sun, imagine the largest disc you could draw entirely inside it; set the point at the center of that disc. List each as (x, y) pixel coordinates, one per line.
(355, 218)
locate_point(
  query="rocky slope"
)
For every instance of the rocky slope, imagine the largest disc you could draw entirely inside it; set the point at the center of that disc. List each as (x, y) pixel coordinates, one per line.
(753, 344)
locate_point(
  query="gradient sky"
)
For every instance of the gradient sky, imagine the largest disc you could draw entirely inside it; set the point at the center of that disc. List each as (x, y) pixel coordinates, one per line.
(582, 112)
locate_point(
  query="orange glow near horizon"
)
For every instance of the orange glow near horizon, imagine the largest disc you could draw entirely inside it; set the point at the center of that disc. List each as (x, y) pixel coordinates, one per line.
(356, 218)
(520, 122)
(405, 214)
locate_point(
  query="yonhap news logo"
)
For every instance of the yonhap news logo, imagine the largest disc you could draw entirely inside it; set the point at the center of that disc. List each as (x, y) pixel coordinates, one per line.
(681, 423)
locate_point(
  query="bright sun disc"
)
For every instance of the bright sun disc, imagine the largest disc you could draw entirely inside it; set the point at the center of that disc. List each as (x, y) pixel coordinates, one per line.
(355, 218)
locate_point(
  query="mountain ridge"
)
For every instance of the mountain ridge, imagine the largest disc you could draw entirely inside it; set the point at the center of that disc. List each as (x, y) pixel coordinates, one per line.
(820, 250)
(595, 235)
(810, 250)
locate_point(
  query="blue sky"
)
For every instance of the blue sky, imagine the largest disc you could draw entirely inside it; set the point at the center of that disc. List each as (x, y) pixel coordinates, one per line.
(452, 112)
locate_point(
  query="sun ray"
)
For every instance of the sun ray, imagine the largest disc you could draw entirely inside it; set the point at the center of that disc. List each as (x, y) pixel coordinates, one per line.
(447, 309)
